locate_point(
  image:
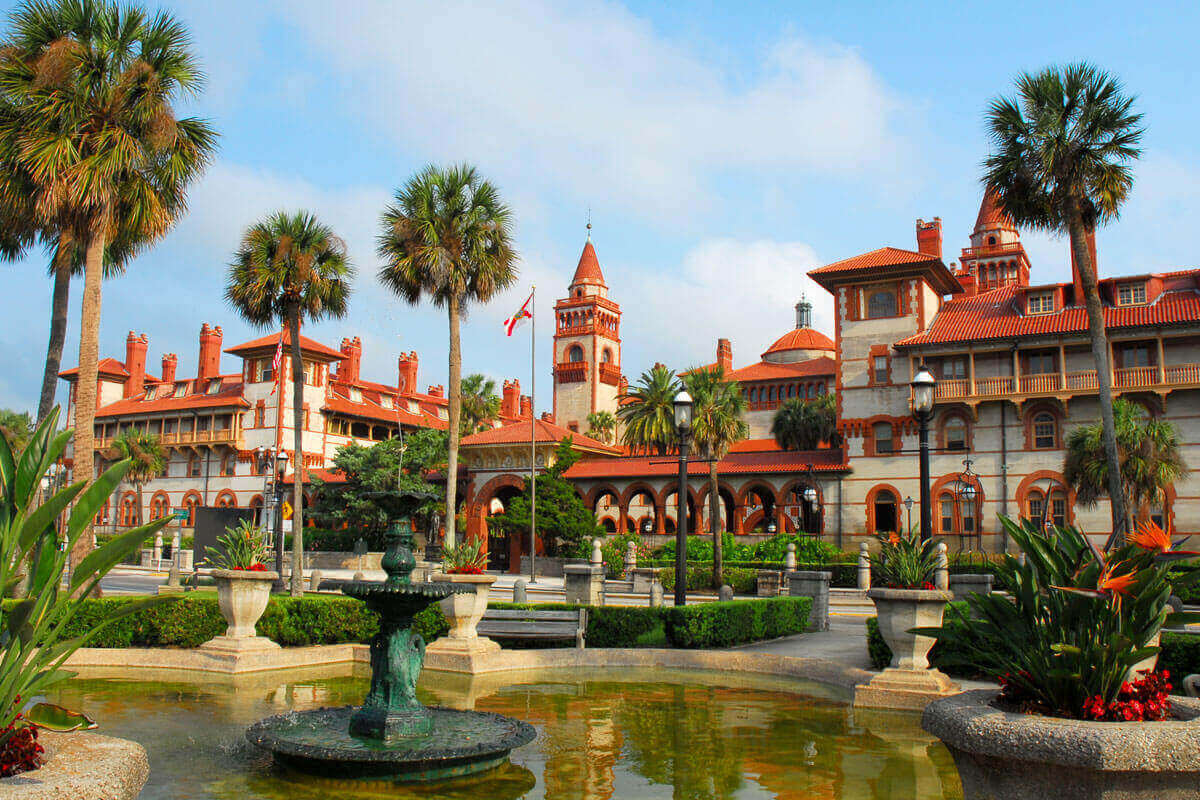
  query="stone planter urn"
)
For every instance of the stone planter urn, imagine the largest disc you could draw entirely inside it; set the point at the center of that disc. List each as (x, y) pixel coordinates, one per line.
(908, 682)
(463, 612)
(1007, 756)
(242, 596)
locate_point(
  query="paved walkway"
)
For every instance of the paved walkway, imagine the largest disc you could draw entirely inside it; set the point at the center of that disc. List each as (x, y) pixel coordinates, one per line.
(845, 643)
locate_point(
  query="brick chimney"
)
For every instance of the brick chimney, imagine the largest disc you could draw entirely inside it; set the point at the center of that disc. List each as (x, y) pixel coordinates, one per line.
(510, 403)
(210, 353)
(169, 362)
(526, 407)
(349, 366)
(929, 237)
(1075, 278)
(135, 364)
(547, 416)
(725, 355)
(407, 368)
(436, 390)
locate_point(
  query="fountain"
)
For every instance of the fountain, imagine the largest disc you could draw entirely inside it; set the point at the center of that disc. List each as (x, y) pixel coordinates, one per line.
(392, 735)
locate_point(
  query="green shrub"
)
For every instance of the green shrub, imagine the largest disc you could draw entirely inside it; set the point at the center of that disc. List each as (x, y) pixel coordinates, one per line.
(1181, 655)
(699, 578)
(708, 625)
(809, 550)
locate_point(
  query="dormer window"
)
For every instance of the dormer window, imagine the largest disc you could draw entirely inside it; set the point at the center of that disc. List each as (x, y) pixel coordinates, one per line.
(1131, 294)
(1041, 303)
(181, 389)
(214, 386)
(355, 394)
(414, 406)
(385, 401)
(151, 393)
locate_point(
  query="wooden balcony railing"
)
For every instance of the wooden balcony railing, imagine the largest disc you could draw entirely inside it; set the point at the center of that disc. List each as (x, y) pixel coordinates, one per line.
(228, 436)
(610, 374)
(571, 371)
(1084, 381)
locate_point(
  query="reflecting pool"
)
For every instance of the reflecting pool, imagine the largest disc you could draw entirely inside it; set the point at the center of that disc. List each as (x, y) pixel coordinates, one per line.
(601, 734)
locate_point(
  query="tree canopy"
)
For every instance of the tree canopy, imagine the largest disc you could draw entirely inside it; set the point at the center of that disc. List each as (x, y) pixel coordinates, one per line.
(805, 424)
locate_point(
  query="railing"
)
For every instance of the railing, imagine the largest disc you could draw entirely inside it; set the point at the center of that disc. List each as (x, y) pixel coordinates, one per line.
(571, 371)
(1081, 381)
(991, 250)
(228, 436)
(610, 373)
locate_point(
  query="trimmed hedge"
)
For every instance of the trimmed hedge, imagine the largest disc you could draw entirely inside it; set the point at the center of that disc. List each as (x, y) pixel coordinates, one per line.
(700, 578)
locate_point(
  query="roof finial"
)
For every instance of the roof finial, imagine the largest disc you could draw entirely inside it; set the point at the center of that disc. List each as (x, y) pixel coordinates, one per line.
(589, 224)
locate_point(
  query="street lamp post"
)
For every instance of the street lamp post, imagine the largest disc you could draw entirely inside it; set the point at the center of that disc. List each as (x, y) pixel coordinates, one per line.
(280, 465)
(908, 503)
(683, 426)
(922, 403)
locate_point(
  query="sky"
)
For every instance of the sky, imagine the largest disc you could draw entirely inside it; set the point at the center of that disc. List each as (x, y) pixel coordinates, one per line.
(720, 150)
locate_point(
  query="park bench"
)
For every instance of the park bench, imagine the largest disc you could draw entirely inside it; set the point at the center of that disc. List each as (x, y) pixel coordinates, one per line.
(534, 624)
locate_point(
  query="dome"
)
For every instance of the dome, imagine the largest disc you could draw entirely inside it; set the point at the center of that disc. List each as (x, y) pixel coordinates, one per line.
(799, 344)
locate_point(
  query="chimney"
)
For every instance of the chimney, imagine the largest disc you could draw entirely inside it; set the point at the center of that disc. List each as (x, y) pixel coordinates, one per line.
(526, 407)
(135, 364)
(348, 368)
(547, 416)
(169, 362)
(929, 237)
(210, 352)
(436, 391)
(1091, 246)
(725, 355)
(510, 404)
(407, 367)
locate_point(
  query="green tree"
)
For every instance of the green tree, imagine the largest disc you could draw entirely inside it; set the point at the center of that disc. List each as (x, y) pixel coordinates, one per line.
(1148, 448)
(146, 458)
(480, 403)
(602, 426)
(448, 237)
(647, 412)
(1061, 162)
(563, 521)
(717, 425)
(369, 471)
(89, 89)
(804, 424)
(291, 267)
(16, 427)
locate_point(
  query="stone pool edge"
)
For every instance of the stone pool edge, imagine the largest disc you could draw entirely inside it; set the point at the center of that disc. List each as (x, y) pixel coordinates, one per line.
(82, 766)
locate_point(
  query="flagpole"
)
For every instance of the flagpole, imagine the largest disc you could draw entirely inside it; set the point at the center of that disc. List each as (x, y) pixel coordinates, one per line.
(532, 435)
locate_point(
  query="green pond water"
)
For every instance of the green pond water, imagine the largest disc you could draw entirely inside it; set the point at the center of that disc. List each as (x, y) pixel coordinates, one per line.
(601, 734)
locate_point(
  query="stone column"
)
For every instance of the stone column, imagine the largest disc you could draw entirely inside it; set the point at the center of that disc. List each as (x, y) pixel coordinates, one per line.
(583, 584)
(941, 576)
(630, 559)
(864, 567)
(789, 561)
(963, 585)
(806, 583)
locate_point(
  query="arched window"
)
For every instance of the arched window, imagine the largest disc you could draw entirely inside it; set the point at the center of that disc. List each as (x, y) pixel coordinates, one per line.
(956, 433)
(191, 503)
(946, 512)
(1045, 431)
(1058, 507)
(886, 515)
(881, 303)
(991, 240)
(606, 356)
(226, 500)
(1035, 505)
(575, 353)
(256, 505)
(129, 510)
(883, 434)
(159, 506)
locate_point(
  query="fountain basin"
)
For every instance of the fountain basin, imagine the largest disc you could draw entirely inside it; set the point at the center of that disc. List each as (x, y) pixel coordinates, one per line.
(459, 743)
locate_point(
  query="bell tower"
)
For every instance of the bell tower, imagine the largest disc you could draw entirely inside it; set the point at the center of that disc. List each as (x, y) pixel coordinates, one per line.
(587, 346)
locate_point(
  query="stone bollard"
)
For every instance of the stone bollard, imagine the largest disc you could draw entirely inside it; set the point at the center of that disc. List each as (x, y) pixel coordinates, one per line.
(314, 580)
(597, 553)
(358, 576)
(519, 595)
(806, 583)
(157, 548)
(864, 567)
(941, 576)
(965, 584)
(583, 584)
(656, 594)
(630, 559)
(725, 593)
(789, 561)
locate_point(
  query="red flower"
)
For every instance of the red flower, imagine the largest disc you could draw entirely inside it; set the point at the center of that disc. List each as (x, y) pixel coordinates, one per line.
(258, 567)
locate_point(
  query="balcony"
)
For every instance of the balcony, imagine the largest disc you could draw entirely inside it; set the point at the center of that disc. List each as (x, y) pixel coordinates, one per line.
(231, 437)
(988, 251)
(571, 371)
(610, 374)
(1061, 384)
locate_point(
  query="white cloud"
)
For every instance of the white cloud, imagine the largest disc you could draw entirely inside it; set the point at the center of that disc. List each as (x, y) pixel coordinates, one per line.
(589, 98)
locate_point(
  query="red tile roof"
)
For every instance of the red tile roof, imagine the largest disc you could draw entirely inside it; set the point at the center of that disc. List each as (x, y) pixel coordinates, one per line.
(519, 433)
(879, 261)
(588, 270)
(997, 315)
(370, 410)
(737, 463)
(230, 396)
(106, 366)
(766, 371)
(272, 341)
(990, 216)
(801, 339)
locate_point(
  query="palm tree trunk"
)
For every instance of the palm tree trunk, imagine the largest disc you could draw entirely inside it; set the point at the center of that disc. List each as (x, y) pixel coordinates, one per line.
(714, 519)
(1096, 331)
(83, 468)
(138, 487)
(297, 453)
(455, 414)
(59, 303)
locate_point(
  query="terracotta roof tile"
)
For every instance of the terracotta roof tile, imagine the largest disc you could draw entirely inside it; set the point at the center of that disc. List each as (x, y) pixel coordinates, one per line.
(518, 432)
(106, 366)
(879, 260)
(766, 371)
(588, 270)
(748, 462)
(230, 396)
(272, 341)
(368, 410)
(801, 339)
(990, 216)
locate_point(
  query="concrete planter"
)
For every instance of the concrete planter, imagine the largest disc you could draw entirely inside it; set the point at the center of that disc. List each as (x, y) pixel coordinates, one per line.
(242, 596)
(908, 682)
(463, 612)
(1006, 756)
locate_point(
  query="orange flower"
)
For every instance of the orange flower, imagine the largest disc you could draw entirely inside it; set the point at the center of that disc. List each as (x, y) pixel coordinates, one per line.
(1151, 537)
(893, 538)
(1115, 584)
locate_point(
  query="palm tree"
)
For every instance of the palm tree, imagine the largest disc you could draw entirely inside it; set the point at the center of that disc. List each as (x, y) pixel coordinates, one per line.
(647, 413)
(146, 456)
(290, 267)
(1061, 163)
(602, 425)
(717, 425)
(89, 128)
(804, 424)
(16, 427)
(1150, 459)
(448, 236)
(479, 403)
